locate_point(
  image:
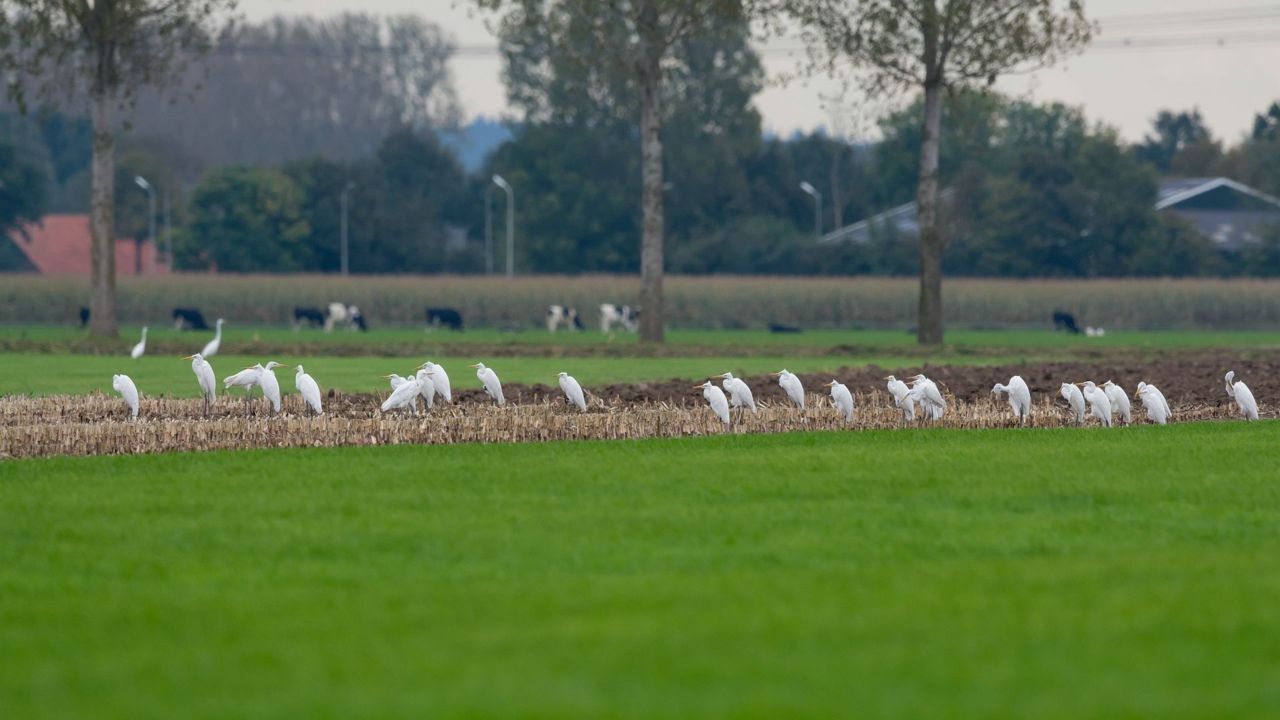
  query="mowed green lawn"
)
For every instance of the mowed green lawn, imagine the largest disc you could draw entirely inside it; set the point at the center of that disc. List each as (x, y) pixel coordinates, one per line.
(959, 574)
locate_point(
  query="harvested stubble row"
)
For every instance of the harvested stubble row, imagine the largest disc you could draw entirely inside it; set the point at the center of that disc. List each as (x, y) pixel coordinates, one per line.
(95, 425)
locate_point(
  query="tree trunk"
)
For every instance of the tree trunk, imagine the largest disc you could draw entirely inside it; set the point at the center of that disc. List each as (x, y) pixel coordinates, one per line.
(102, 256)
(651, 263)
(929, 314)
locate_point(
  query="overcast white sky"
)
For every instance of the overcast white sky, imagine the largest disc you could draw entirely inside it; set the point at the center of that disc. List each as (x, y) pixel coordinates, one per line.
(1122, 87)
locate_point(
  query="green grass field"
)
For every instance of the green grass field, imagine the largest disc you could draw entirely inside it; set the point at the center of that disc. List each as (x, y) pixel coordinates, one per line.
(1048, 574)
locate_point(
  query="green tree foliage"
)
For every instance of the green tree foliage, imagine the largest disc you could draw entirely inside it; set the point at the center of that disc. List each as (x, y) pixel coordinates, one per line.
(1180, 144)
(246, 220)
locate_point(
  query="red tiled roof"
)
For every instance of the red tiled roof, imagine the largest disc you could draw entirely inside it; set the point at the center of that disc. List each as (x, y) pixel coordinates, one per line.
(59, 245)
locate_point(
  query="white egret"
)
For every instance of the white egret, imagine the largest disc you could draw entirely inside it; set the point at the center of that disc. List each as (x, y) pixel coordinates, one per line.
(141, 347)
(1075, 399)
(308, 389)
(489, 379)
(269, 384)
(123, 384)
(204, 376)
(1119, 402)
(739, 392)
(211, 348)
(1099, 403)
(1019, 397)
(440, 379)
(1153, 400)
(902, 398)
(842, 399)
(792, 386)
(248, 379)
(405, 395)
(573, 391)
(396, 380)
(926, 392)
(1243, 397)
(716, 399)
(426, 386)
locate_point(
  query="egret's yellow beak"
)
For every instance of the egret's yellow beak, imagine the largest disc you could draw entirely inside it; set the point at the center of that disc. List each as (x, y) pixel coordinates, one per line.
(386, 377)
(189, 357)
(776, 374)
(476, 365)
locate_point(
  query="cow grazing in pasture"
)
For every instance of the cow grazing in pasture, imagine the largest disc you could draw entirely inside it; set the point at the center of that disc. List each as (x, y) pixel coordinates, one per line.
(188, 319)
(624, 315)
(84, 316)
(348, 316)
(779, 328)
(307, 316)
(444, 317)
(558, 315)
(1063, 320)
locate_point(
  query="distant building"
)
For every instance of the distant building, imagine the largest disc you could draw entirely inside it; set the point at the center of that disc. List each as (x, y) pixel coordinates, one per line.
(59, 245)
(1226, 212)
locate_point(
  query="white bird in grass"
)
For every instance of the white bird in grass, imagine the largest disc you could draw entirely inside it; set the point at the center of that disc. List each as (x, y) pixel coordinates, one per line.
(1120, 406)
(204, 376)
(792, 386)
(573, 391)
(308, 389)
(211, 348)
(123, 384)
(1099, 403)
(926, 392)
(739, 392)
(1075, 399)
(405, 395)
(396, 380)
(440, 379)
(426, 386)
(248, 379)
(269, 384)
(842, 399)
(1019, 397)
(716, 399)
(141, 347)
(489, 379)
(1243, 397)
(1153, 400)
(902, 398)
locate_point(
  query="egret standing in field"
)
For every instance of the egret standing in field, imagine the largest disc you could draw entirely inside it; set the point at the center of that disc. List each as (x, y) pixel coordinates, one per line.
(405, 395)
(1119, 402)
(426, 387)
(123, 384)
(792, 386)
(716, 399)
(1243, 397)
(573, 391)
(270, 385)
(204, 375)
(1075, 399)
(489, 379)
(440, 379)
(211, 348)
(842, 399)
(926, 392)
(1153, 400)
(248, 378)
(739, 392)
(902, 399)
(141, 347)
(1099, 403)
(395, 380)
(308, 389)
(1019, 397)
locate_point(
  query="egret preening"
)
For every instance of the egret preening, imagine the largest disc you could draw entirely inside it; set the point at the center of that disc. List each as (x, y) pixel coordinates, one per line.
(405, 395)
(842, 399)
(1099, 403)
(1075, 399)
(141, 347)
(426, 386)
(211, 348)
(308, 389)
(1153, 400)
(1119, 402)
(792, 386)
(739, 393)
(123, 384)
(440, 379)
(926, 392)
(1243, 397)
(269, 384)
(716, 399)
(489, 379)
(573, 391)
(204, 376)
(902, 398)
(1019, 397)
(248, 379)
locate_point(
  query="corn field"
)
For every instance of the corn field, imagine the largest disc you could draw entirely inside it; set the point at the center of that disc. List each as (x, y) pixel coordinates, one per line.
(98, 424)
(692, 302)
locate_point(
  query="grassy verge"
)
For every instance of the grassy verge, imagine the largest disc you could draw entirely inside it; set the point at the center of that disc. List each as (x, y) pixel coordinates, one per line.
(904, 574)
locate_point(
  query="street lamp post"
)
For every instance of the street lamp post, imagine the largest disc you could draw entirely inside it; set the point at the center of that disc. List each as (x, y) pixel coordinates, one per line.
(343, 249)
(511, 223)
(488, 230)
(151, 220)
(168, 230)
(817, 207)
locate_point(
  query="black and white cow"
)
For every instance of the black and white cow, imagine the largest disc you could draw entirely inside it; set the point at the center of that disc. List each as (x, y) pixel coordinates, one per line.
(188, 319)
(1063, 320)
(348, 316)
(624, 315)
(558, 315)
(312, 316)
(444, 317)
